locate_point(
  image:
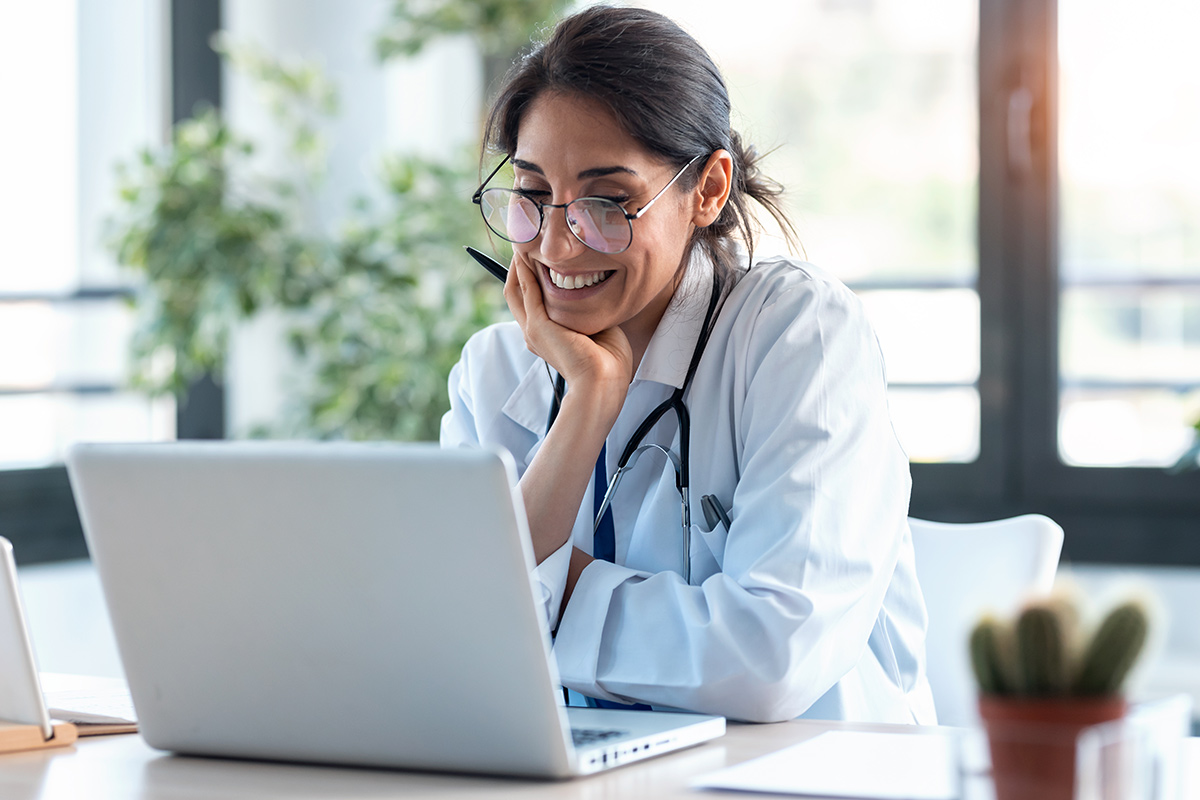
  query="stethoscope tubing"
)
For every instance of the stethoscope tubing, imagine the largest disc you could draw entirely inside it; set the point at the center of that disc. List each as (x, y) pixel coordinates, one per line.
(634, 447)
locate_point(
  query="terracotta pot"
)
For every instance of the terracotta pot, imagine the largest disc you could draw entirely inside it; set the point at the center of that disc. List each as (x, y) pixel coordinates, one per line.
(1032, 741)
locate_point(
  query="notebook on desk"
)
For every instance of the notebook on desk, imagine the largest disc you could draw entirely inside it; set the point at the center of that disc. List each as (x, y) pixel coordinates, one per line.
(353, 604)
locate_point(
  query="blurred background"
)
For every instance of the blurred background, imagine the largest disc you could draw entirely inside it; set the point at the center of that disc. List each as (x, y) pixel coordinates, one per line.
(245, 218)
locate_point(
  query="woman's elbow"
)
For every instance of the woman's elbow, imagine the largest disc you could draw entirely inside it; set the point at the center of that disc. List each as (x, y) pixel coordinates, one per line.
(759, 698)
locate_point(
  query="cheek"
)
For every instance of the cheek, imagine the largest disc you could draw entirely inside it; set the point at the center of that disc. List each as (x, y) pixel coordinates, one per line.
(660, 255)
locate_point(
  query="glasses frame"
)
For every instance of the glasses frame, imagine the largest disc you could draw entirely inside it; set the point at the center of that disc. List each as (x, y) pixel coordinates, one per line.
(477, 199)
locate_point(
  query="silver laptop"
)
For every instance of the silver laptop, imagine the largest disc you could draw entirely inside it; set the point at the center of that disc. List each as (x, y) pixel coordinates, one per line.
(21, 699)
(340, 603)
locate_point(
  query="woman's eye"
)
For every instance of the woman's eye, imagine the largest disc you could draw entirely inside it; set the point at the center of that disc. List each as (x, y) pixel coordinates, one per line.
(618, 199)
(532, 194)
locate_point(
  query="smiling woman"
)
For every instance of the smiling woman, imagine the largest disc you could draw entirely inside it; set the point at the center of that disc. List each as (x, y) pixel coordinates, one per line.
(633, 278)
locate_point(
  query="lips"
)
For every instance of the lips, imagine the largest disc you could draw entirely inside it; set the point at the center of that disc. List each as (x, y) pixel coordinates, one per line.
(578, 281)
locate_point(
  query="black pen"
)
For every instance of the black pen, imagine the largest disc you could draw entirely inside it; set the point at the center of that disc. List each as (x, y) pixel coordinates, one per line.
(487, 262)
(714, 512)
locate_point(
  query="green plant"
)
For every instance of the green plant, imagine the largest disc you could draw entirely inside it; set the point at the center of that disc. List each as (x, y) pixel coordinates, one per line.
(381, 340)
(378, 311)
(499, 26)
(1043, 652)
(210, 251)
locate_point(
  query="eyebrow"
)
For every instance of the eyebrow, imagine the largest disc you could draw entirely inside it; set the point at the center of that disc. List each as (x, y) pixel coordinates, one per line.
(594, 172)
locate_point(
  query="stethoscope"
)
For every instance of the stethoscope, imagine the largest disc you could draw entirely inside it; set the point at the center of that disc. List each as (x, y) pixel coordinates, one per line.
(635, 448)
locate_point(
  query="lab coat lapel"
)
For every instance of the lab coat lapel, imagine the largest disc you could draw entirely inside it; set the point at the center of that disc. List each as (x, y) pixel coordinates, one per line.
(529, 404)
(670, 350)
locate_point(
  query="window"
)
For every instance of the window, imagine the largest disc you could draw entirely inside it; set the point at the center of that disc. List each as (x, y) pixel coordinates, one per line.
(869, 111)
(96, 97)
(1129, 278)
(83, 86)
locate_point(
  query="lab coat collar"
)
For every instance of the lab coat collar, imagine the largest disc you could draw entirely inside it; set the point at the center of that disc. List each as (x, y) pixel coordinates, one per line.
(529, 404)
(665, 361)
(669, 353)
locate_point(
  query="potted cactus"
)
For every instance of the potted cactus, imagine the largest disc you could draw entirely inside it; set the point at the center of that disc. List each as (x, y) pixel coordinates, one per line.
(1042, 680)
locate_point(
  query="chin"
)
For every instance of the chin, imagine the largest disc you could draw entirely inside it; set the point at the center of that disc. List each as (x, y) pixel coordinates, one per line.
(574, 322)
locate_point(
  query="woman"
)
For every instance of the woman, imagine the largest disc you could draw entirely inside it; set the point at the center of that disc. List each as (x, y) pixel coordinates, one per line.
(798, 594)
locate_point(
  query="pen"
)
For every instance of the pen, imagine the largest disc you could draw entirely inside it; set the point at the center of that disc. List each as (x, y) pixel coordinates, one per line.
(487, 262)
(714, 512)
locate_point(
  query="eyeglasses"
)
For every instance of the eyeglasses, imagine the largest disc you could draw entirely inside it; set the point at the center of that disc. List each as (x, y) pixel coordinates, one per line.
(598, 222)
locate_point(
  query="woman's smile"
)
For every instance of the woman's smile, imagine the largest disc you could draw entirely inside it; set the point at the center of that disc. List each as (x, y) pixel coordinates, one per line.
(578, 280)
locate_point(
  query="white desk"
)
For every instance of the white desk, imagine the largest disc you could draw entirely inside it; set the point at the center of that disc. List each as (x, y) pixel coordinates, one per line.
(72, 634)
(125, 767)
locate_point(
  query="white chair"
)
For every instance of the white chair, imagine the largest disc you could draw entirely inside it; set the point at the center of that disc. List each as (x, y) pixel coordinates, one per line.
(966, 569)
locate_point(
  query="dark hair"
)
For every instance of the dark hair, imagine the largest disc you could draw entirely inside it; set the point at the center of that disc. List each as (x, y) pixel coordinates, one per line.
(663, 89)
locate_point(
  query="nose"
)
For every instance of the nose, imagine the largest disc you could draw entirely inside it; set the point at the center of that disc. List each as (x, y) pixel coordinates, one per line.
(557, 243)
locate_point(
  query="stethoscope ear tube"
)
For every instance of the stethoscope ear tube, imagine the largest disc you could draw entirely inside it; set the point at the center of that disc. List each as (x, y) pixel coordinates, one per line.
(620, 473)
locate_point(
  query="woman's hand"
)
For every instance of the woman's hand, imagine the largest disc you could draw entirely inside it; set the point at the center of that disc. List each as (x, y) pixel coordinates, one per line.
(601, 363)
(598, 370)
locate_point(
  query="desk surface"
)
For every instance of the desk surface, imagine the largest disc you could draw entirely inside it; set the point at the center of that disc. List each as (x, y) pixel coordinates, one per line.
(125, 767)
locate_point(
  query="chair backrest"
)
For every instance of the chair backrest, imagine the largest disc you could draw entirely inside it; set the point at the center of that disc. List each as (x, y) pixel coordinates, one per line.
(966, 569)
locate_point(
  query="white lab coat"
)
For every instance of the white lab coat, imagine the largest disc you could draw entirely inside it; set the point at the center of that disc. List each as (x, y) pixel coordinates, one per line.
(809, 605)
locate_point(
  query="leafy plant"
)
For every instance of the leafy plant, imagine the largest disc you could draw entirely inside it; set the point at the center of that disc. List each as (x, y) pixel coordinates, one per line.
(1044, 653)
(500, 27)
(209, 252)
(378, 311)
(382, 339)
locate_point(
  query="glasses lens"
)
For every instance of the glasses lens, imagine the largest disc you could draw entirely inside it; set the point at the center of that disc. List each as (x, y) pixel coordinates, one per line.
(510, 215)
(600, 224)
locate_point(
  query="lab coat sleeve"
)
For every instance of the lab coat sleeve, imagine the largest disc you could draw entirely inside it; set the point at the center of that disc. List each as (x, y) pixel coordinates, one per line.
(817, 525)
(458, 424)
(461, 427)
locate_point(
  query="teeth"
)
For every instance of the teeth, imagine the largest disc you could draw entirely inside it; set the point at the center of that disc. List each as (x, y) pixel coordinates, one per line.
(576, 281)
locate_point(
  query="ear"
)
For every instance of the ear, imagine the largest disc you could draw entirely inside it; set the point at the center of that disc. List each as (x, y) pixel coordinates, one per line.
(712, 191)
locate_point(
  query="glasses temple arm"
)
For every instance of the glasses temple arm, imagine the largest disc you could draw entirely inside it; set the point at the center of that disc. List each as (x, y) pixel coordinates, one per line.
(479, 192)
(637, 214)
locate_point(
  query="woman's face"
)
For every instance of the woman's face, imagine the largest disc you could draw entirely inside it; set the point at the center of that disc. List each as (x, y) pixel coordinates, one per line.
(568, 147)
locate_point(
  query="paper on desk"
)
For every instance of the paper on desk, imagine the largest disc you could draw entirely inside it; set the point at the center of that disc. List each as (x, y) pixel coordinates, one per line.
(91, 707)
(880, 766)
(95, 705)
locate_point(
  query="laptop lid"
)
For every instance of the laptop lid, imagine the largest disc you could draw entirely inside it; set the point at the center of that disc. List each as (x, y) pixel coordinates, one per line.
(21, 698)
(358, 604)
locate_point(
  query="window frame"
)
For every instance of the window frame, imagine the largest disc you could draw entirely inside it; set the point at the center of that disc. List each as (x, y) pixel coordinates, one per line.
(1109, 514)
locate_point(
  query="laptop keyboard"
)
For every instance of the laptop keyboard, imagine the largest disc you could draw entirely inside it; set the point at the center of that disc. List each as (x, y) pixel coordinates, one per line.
(586, 736)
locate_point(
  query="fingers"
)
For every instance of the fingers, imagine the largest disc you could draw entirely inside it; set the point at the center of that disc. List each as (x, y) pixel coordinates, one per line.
(513, 293)
(524, 297)
(575, 356)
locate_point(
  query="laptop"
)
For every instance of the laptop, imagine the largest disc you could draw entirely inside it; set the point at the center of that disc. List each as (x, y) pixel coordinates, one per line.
(43, 702)
(357, 604)
(21, 699)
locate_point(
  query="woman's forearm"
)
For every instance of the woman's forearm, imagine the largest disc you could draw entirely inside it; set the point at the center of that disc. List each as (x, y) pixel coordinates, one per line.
(556, 481)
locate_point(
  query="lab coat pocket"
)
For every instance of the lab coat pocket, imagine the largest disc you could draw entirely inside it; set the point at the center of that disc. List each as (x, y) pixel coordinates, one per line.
(708, 551)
